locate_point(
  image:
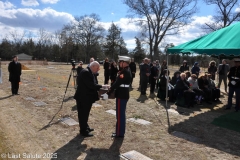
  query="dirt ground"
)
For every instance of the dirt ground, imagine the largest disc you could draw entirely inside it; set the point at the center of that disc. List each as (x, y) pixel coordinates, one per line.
(24, 129)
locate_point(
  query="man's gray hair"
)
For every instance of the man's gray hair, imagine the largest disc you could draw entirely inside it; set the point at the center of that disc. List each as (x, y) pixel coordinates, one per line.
(94, 63)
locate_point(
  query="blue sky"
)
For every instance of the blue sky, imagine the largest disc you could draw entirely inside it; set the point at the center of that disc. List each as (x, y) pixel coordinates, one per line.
(31, 15)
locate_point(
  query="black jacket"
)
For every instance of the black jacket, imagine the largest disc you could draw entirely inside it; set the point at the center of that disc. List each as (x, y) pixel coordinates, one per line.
(87, 87)
(175, 78)
(124, 77)
(132, 67)
(181, 86)
(234, 72)
(15, 71)
(184, 68)
(163, 83)
(154, 72)
(114, 71)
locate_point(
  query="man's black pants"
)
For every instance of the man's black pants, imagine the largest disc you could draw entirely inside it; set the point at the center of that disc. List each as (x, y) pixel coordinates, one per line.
(14, 87)
(83, 114)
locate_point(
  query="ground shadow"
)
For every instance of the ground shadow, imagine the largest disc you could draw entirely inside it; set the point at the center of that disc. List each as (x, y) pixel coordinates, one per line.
(67, 99)
(199, 128)
(74, 108)
(104, 154)
(142, 98)
(72, 150)
(2, 98)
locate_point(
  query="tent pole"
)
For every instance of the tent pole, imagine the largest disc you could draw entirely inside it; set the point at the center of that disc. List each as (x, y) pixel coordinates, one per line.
(166, 99)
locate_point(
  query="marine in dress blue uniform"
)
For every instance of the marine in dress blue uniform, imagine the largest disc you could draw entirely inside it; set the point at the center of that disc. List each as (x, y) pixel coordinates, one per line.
(234, 85)
(121, 87)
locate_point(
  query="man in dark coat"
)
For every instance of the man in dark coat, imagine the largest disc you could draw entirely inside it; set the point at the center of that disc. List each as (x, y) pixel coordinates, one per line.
(15, 71)
(223, 70)
(132, 66)
(145, 71)
(234, 85)
(121, 87)
(106, 67)
(86, 95)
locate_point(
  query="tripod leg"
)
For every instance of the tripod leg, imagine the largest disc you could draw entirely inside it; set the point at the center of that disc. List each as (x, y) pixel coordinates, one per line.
(68, 82)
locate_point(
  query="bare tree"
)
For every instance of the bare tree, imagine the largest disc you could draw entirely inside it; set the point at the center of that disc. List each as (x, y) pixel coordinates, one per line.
(17, 39)
(226, 14)
(160, 18)
(87, 31)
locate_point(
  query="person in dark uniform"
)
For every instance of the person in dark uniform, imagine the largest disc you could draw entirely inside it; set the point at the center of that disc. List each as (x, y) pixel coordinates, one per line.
(184, 67)
(86, 94)
(234, 85)
(15, 71)
(145, 73)
(132, 66)
(106, 67)
(121, 87)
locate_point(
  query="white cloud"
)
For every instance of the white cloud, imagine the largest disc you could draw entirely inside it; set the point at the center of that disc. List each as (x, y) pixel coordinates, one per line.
(237, 9)
(27, 19)
(50, 1)
(35, 18)
(5, 5)
(30, 3)
(189, 32)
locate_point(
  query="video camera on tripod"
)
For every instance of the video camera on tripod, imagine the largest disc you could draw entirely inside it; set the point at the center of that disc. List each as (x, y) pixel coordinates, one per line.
(73, 63)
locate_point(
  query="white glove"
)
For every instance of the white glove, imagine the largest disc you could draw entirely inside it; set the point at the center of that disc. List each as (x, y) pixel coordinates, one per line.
(233, 82)
(105, 86)
(105, 96)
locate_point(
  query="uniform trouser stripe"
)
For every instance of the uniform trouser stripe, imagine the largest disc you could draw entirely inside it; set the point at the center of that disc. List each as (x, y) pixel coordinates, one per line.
(118, 118)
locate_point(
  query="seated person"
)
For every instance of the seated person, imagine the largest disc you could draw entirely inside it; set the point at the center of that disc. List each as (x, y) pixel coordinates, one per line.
(163, 86)
(188, 74)
(194, 86)
(212, 86)
(175, 77)
(203, 85)
(182, 89)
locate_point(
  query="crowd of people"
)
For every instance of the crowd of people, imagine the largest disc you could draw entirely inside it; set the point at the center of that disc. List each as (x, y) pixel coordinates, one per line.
(188, 84)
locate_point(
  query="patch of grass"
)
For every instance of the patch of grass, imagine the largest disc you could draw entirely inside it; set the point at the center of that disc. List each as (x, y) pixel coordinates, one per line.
(137, 117)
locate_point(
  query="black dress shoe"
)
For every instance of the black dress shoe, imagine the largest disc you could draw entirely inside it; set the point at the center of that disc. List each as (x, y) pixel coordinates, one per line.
(114, 135)
(90, 129)
(86, 134)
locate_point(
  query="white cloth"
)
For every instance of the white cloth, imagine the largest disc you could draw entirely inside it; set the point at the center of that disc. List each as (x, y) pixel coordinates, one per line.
(105, 96)
(193, 83)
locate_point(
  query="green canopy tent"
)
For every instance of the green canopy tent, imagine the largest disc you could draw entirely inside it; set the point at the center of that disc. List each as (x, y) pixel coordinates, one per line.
(224, 41)
(221, 43)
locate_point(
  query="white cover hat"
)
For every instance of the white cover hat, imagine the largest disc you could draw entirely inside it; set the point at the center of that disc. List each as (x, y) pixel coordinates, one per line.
(124, 58)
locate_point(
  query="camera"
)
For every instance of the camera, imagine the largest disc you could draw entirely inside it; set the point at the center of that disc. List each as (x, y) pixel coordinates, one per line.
(73, 63)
